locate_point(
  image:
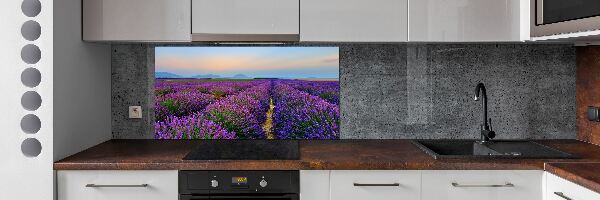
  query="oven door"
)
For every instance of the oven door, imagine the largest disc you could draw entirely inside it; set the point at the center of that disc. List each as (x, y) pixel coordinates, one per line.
(240, 197)
(552, 17)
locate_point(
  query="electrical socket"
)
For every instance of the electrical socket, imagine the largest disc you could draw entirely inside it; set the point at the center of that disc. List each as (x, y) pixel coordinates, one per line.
(593, 114)
(135, 112)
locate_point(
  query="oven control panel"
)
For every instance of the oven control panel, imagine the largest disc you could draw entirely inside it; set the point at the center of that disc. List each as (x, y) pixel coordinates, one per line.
(263, 183)
(239, 182)
(229, 182)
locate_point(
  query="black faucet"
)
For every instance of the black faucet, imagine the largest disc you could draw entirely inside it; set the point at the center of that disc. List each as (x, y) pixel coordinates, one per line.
(486, 129)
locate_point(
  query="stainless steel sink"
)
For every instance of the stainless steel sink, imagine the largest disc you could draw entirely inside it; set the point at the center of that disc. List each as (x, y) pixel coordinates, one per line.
(495, 149)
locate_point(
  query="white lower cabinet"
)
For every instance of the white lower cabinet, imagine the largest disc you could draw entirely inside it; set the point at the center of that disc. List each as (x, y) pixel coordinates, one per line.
(482, 185)
(421, 185)
(375, 185)
(314, 184)
(342, 185)
(560, 189)
(117, 185)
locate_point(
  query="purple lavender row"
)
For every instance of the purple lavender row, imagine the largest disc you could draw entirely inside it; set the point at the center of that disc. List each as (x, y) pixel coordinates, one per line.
(190, 127)
(327, 90)
(215, 88)
(233, 117)
(180, 104)
(299, 115)
(244, 113)
(179, 98)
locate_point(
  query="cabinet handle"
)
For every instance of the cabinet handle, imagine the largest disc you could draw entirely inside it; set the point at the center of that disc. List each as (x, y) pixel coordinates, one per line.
(376, 184)
(492, 185)
(560, 194)
(115, 186)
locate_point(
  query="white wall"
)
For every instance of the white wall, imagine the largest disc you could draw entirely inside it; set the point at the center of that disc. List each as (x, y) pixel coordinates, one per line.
(82, 97)
(77, 74)
(24, 177)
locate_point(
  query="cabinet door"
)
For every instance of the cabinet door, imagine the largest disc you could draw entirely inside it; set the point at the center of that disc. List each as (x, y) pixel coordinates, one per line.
(314, 185)
(117, 185)
(136, 20)
(353, 20)
(560, 189)
(482, 184)
(375, 185)
(243, 17)
(468, 20)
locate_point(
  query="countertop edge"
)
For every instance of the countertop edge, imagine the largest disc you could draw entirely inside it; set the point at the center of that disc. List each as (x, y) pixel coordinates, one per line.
(298, 165)
(573, 176)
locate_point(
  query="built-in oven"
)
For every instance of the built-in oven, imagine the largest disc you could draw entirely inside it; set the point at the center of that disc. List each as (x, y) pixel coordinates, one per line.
(238, 185)
(552, 17)
(239, 197)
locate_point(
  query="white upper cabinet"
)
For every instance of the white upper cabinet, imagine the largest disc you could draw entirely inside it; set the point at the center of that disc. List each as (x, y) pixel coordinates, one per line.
(353, 20)
(136, 20)
(245, 20)
(468, 20)
(307, 20)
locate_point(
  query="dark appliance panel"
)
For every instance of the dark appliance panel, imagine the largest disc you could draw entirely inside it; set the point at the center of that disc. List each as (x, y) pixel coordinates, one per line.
(554, 11)
(245, 150)
(232, 185)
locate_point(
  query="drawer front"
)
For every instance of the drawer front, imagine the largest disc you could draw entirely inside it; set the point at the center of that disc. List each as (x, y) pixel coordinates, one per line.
(375, 185)
(117, 185)
(482, 184)
(560, 189)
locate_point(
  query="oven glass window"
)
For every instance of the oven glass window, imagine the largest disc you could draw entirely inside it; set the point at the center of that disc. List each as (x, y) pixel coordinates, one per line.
(554, 11)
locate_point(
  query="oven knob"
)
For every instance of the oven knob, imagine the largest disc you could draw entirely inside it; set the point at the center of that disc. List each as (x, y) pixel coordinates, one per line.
(263, 183)
(214, 183)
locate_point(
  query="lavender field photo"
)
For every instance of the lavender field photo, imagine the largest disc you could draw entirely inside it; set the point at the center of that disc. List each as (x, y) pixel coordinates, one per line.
(247, 93)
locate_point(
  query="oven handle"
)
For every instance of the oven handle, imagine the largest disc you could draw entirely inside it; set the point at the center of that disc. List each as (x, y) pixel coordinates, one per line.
(91, 185)
(249, 197)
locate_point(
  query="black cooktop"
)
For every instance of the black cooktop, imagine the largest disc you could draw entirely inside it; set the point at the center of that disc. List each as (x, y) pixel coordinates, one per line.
(245, 150)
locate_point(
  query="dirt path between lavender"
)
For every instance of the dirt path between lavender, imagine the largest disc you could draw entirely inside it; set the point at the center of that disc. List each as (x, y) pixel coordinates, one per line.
(268, 125)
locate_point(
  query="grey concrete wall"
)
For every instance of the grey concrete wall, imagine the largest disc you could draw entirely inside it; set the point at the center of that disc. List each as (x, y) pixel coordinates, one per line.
(413, 90)
(132, 85)
(426, 91)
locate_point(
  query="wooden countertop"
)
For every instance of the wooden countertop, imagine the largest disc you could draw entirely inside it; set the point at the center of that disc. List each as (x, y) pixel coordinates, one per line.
(584, 174)
(314, 154)
(332, 155)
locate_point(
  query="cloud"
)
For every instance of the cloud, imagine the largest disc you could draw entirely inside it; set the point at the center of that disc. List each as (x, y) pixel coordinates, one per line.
(333, 58)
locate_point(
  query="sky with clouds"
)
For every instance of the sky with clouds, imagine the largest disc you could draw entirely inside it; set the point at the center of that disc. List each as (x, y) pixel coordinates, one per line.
(255, 62)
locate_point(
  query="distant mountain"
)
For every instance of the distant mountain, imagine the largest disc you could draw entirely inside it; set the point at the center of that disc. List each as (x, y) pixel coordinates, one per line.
(206, 76)
(166, 75)
(240, 76)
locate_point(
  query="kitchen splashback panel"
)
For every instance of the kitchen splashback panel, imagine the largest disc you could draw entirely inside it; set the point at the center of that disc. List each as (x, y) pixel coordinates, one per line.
(409, 91)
